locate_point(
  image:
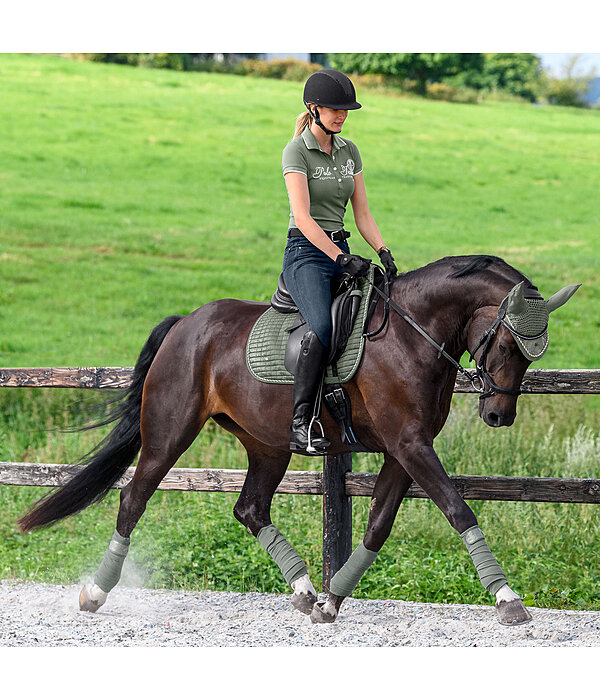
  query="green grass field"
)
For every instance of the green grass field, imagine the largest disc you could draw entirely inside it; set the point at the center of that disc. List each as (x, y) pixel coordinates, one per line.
(129, 194)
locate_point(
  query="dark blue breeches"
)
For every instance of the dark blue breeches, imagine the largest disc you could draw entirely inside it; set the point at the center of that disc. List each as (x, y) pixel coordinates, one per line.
(308, 273)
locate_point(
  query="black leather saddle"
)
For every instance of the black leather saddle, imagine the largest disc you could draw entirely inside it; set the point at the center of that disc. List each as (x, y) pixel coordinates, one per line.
(346, 297)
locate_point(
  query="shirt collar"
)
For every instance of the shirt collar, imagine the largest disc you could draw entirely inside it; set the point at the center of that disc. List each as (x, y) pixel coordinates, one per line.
(312, 143)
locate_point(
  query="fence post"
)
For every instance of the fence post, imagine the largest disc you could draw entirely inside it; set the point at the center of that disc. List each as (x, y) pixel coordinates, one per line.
(337, 516)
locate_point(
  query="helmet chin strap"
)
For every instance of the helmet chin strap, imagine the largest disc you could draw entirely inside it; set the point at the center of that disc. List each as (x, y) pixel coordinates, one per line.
(318, 121)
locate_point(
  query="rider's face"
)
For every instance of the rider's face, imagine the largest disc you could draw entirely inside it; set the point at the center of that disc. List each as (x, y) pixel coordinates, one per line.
(332, 119)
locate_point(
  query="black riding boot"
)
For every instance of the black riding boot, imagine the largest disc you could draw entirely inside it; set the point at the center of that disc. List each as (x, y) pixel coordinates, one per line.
(309, 374)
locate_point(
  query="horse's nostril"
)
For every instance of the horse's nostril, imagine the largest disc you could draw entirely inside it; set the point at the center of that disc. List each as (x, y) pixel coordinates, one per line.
(493, 418)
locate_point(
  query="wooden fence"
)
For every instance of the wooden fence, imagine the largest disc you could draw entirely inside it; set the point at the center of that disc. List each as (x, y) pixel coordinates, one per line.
(336, 483)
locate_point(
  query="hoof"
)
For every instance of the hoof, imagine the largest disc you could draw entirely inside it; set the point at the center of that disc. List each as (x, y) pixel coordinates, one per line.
(91, 598)
(512, 613)
(318, 615)
(304, 602)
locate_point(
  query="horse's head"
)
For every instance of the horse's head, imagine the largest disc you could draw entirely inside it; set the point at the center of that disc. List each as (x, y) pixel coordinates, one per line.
(505, 340)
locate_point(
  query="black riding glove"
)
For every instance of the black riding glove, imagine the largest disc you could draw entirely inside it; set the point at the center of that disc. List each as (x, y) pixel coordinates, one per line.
(354, 265)
(387, 261)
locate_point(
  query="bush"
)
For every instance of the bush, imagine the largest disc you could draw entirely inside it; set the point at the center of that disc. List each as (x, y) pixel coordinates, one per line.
(441, 91)
(449, 93)
(282, 68)
(567, 92)
(171, 61)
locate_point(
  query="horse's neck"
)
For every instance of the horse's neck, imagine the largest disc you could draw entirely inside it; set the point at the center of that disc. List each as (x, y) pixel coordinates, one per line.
(445, 306)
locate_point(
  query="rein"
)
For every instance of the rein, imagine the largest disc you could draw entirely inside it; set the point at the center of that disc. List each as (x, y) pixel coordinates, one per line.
(481, 376)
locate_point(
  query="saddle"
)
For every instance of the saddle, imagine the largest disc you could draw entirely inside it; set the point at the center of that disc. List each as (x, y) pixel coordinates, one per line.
(347, 294)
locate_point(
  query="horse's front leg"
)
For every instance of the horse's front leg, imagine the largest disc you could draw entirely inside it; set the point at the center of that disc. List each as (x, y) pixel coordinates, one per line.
(390, 488)
(423, 464)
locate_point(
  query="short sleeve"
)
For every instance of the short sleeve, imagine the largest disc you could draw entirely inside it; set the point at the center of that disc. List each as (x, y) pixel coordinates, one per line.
(293, 159)
(358, 164)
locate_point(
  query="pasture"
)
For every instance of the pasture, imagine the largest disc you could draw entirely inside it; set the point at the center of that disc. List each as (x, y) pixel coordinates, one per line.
(130, 194)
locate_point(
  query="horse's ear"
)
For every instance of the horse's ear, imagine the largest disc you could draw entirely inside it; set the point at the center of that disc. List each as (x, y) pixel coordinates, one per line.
(516, 300)
(561, 297)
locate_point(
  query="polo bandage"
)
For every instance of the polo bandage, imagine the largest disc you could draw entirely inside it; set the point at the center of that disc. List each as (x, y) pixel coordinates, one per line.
(347, 578)
(490, 572)
(109, 571)
(284, 555)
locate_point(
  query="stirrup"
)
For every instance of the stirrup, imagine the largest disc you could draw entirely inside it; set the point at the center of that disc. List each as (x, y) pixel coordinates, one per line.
(310, 448)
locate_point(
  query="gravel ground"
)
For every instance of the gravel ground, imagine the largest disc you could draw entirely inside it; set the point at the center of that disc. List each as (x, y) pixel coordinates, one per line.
(34, 614)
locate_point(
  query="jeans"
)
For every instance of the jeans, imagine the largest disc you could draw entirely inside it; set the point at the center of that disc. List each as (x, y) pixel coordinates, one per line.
(308, 273)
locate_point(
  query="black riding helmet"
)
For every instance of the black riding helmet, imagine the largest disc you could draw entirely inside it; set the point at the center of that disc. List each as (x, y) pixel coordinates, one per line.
(329, 88)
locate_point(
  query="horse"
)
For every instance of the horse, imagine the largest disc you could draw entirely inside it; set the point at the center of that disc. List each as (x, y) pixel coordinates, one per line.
(192, 369)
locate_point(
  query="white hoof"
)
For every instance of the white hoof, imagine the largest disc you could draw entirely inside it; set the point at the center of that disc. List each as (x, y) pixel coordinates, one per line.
(91, 597)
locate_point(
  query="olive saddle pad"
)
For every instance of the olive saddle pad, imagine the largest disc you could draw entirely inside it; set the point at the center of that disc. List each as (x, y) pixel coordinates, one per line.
(265, 349)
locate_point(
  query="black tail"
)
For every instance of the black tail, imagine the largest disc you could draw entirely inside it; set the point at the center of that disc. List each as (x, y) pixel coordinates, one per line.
(109, 460)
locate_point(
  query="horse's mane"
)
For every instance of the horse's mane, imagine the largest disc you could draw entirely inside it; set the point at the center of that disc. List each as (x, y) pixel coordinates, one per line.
(474, 264)
(465, 266)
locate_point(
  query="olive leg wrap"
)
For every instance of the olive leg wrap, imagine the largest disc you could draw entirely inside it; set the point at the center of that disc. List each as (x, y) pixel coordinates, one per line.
(347, 578)
(109, 571)
(490, 572)
(284, 555)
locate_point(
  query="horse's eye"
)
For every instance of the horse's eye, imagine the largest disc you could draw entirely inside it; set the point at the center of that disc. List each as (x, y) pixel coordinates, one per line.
(502, 348)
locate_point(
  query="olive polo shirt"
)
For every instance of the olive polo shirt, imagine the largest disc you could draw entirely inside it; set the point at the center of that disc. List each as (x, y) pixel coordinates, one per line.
(330, 177)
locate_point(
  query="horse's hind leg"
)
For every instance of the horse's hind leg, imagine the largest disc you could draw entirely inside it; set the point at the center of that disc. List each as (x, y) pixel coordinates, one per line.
(390, 488)
(166, 434)
(266, 467)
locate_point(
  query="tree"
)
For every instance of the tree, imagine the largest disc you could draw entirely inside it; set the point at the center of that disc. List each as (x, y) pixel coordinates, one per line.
(570, 88)
(420, 67)
(517, 73)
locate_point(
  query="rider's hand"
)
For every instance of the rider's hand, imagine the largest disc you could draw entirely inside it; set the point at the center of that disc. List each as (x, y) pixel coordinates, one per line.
(387, 261)
(354, 265)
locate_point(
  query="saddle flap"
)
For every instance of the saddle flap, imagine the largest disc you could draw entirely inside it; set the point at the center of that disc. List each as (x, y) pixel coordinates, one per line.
(292, 349)
(344, 310)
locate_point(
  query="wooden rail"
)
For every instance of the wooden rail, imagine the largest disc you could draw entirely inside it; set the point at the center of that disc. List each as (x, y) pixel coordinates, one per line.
(536, 381)
(475, 488)
(336, 483)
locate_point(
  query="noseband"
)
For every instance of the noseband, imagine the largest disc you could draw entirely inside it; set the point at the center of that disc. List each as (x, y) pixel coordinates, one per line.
(481, 376)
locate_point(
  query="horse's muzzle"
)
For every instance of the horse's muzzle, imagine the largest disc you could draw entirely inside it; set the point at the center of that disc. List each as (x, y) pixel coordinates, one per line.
(495, 417)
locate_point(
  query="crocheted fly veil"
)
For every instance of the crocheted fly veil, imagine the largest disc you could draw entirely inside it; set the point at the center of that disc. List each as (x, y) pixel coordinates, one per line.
(526, 315)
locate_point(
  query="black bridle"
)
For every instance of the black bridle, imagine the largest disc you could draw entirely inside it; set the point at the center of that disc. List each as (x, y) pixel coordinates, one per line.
(480, 377)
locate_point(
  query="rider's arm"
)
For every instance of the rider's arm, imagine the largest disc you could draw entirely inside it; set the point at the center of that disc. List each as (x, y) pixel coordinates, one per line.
(362, 215)
(297, 187)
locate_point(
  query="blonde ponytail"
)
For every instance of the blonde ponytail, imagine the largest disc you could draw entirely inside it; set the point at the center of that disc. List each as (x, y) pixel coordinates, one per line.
(305, 119)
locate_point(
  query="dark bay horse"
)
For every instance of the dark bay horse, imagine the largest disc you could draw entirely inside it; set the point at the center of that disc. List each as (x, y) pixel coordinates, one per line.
(193, 368)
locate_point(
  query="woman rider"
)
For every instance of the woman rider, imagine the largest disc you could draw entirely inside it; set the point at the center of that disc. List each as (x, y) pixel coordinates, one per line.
(322, 172)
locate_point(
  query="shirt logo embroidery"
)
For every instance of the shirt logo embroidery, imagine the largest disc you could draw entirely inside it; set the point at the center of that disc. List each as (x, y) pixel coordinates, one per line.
(322, 173)
(348, 169)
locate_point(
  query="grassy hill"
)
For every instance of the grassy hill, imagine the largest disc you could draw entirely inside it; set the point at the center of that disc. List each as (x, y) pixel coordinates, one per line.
(129, 194)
